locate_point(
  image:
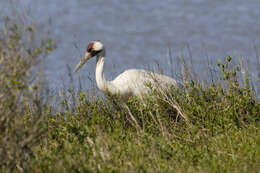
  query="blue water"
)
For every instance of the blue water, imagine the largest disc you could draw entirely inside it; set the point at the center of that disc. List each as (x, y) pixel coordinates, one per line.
(138, 34)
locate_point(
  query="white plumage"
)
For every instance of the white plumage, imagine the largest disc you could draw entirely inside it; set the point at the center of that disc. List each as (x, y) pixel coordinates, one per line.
(130, 82)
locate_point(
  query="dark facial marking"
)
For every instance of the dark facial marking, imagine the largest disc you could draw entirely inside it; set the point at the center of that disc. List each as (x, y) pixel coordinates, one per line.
(95, 52)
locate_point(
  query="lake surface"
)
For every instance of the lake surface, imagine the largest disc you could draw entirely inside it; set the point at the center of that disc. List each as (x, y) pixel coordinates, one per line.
(139, 33)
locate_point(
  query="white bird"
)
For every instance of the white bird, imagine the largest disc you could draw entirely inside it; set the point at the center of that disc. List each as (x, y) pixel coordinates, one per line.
(131, 82)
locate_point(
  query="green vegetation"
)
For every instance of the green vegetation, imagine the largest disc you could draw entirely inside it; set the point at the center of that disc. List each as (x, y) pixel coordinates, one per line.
(213, 128)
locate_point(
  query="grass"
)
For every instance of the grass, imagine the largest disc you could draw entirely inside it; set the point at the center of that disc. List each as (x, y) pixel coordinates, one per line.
(215, 129)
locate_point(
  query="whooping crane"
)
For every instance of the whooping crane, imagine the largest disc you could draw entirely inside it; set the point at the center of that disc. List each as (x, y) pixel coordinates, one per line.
(131, 82)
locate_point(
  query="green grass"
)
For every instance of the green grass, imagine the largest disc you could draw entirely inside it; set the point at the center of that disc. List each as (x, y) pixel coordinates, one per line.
(101, 144)
(215, 129)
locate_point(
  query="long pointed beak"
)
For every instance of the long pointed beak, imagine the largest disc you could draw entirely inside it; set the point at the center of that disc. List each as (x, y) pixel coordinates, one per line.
(83, 60)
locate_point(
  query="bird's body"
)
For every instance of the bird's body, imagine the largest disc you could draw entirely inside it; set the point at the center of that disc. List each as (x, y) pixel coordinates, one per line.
(131, 82)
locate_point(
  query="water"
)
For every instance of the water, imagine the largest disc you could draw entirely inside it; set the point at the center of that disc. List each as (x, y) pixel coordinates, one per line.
(138, 34)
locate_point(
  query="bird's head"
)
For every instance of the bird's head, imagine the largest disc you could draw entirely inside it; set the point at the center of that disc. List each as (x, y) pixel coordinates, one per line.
(94, 48)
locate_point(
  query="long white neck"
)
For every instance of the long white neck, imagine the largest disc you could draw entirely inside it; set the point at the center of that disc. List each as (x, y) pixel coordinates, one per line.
(102, 83)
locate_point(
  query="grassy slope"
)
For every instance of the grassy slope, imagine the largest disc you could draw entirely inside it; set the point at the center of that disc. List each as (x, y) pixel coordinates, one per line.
(96, 137)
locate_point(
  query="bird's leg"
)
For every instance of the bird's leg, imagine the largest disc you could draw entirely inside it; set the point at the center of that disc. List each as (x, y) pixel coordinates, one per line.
(115, 99)
(175, 105)
(133, 120)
